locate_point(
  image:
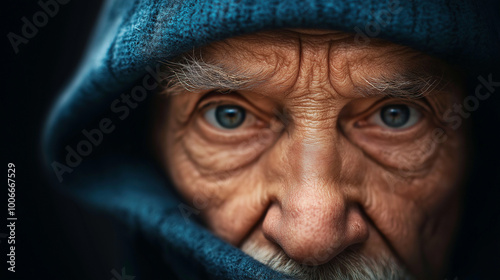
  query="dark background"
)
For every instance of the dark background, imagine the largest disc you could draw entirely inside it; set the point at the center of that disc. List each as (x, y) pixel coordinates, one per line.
(57, 239)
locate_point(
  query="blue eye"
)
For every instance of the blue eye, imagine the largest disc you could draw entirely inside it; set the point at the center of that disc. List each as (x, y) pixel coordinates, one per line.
(397, 116)
(226, 116)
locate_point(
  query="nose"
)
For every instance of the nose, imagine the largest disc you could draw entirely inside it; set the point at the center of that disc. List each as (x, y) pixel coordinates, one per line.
(312, 218)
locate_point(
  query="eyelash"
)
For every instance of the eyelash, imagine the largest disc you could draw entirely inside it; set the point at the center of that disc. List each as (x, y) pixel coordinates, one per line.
(253, 122)
(420, 106)
(414, 116)
(206, 103)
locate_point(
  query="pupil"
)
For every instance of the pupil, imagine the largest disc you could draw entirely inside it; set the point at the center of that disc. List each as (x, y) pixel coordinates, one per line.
(230, 116)
(395, 115)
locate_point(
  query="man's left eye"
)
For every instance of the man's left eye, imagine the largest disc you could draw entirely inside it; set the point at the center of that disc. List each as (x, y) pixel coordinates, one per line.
(396, 116)
(226, 116)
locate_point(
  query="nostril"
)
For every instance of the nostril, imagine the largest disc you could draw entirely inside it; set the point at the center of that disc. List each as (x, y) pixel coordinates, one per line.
(303, 243)
(311, 252)
(316, 234)
(271, 223)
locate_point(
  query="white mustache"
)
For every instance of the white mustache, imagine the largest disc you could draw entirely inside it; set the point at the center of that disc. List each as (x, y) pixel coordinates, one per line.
(348, 265)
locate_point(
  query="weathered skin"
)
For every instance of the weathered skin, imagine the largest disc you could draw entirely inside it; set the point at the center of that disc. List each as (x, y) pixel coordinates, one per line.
(322, 177)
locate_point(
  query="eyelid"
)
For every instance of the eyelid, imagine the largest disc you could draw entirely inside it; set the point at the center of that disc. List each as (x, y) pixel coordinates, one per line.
(232, 98)
(421, 106)
(210, 116)
(376, 118)
(213, 134)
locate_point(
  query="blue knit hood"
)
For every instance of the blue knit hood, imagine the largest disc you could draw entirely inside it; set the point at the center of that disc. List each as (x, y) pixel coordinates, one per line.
(91, 143)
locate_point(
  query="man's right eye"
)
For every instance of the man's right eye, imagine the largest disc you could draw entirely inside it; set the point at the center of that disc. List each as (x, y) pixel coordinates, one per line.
(228, 116)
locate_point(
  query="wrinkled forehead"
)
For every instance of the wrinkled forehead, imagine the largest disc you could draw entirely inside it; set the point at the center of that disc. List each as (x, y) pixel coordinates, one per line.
(288, 45)
(296, 58)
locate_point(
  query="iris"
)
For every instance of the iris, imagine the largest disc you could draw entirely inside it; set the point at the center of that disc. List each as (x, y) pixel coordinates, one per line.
(230, 116)
(395, 115)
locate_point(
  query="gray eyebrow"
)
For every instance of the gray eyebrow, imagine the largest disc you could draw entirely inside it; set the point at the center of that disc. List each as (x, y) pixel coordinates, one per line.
(409, 84)
(192, 73)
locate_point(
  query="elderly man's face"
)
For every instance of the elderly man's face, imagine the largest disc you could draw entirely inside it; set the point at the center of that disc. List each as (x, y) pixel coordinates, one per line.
(307, 147)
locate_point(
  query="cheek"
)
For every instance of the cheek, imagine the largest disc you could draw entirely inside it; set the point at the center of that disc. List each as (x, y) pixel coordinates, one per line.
(219, 176)
(418, 214)
(229, 197)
